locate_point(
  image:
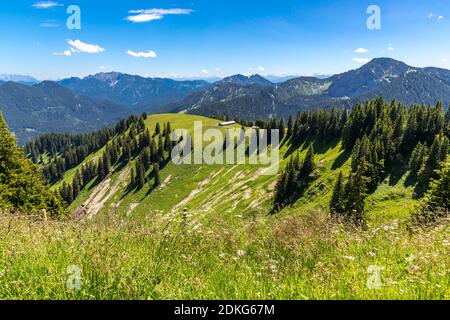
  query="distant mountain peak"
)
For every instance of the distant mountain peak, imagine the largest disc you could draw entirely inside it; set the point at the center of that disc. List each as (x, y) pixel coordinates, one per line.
(18, 78)
(387, 63)
(106, 76)
(137, 92)
(240, 79)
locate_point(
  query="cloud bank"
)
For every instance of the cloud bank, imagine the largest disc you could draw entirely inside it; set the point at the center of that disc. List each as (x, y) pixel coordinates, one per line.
(146, 15)
(46, 4)
(142, 54)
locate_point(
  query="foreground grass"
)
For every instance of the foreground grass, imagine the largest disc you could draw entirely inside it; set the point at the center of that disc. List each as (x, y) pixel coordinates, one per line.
(291, 256)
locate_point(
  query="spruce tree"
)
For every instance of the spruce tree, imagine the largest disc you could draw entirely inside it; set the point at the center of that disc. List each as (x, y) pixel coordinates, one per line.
(106, 159)
(21, 183)
(433, 161)
(160, 149)
(355, 196)
(282, 128)
(280, 191)
(308, 166)
(133, 177)
(140, 175)
(337, 199)
(439, 194)
(157, 129)
(418, 157)
(443, 152)
(436, 203)
(156, 174)
(290, 126)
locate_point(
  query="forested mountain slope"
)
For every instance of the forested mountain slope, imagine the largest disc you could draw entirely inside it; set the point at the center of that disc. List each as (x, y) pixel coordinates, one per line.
(381, 77)
(48, 107)
(387, 152)
(138, 93)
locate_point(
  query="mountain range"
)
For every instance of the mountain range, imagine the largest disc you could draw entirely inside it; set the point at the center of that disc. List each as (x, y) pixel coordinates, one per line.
(18, 78)
(84, 104)
(46, 107)
(246, 97)
(138, 93)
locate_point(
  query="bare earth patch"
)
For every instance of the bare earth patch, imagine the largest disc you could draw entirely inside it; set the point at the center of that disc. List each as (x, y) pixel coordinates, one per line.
(99, 196)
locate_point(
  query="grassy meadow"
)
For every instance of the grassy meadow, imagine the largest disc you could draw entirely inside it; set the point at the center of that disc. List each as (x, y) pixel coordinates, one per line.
(259, 257)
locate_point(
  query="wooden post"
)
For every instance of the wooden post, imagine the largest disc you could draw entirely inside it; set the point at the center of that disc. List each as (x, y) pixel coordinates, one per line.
(44, 213)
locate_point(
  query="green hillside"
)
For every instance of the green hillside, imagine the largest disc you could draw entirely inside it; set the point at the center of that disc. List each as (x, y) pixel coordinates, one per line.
(228, 190)
(136, 243)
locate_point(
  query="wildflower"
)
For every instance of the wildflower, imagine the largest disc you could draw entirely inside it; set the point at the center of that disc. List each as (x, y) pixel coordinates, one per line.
(240, 253)
(349, 258)
(414, 269)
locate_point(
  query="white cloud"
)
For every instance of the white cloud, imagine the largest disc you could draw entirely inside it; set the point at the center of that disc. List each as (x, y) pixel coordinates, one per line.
(391, 48)
(261, 69)
(141, 54)
(79, 46)
(204, 71)
(218, 69)
(361, 50)
(46, 4)
(361, 60)
(147, 15)
(66, 53)
(437, 17)
(102, 67)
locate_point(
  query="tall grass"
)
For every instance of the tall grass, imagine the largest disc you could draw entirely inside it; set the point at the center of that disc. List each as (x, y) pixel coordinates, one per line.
(259, 257)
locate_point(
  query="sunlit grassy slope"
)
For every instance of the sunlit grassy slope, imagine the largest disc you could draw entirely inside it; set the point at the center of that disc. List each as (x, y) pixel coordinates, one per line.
(137, 245)
(241, 190)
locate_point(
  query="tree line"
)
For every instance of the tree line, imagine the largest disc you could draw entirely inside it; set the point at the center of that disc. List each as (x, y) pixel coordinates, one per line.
(58, 153)
(138, 144)
(380, 137)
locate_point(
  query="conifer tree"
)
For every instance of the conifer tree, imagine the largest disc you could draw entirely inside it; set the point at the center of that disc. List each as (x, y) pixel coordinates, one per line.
(443, 152)
(133, 177)
(418, 158)
(280, 190)
(308, 166)
(436, 203)
(337, 199)
(290, 126)
(355, 195)
(140, 175)
(282, 128)
(160, 149)
(439, 194)
(157, 129)
(434, 157)
(156, 174)
(21, 183)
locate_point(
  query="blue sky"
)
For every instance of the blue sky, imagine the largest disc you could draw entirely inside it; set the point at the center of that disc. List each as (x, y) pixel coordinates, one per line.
(206, 38)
